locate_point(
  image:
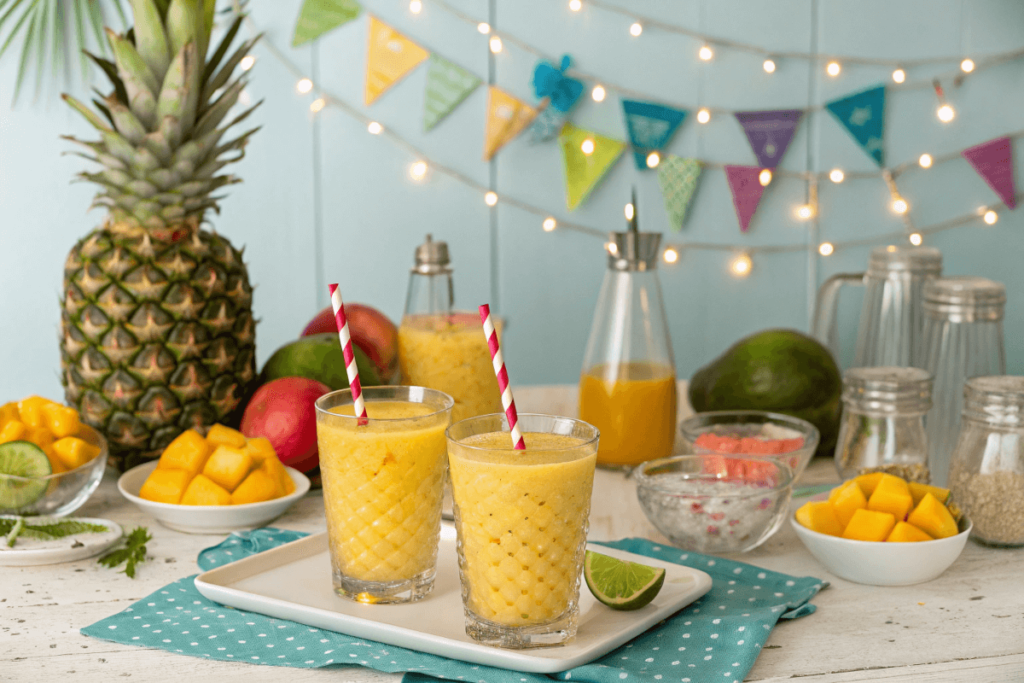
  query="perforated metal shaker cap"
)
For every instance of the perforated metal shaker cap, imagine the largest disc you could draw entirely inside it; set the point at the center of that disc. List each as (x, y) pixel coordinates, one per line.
(912, 260)
(432, 257)
(889, 390)
(964, 299)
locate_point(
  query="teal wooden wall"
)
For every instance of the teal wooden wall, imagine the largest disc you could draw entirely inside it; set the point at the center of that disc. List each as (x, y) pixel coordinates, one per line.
(324, 201)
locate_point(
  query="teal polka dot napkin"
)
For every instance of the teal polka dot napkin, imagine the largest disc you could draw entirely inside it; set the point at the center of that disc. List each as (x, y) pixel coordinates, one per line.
(717, 638)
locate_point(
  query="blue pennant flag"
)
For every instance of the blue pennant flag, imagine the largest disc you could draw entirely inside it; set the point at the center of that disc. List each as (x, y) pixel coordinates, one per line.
(863, 114)
(650, 127)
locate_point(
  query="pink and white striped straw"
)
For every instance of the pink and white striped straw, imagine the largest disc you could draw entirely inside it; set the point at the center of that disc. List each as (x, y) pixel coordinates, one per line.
(499, 371)
(351, 368)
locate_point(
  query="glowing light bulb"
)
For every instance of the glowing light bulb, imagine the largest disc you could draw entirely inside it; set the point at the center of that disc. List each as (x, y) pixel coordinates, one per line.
(705, 53)
(925, 160)
(833, 69)
(769, 66)
(598, 93)
(495, 44)
(575, 5)
(670, 255)
(946, 113)
(629, 211)
(483, 27)
(247, 62)
(244, 98)
(317, 104)
(588, 146)
(415, 6)
(990, 217)
(899, 75)
(804, 211)
(899, 205)
(916, 239)
(549, 224)
(418, 170)
(967, 66)
(636, 29)
(741, 265)
(375, 128)
(490, 199)
(836, 175)
(703, 116)
(764, 177)
(653, 159)
(304, 85)
(611, 248)
(826, 248)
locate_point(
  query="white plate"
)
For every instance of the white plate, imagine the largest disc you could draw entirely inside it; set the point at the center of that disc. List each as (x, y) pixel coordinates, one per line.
(293, 581)
(209, 519)
(28, 552)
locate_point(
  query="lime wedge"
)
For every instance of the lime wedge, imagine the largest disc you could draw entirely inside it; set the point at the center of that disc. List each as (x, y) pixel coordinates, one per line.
(620, 584)
(22, 459)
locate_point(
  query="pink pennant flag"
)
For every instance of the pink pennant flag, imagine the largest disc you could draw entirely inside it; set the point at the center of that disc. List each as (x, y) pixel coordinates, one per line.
(993, 160)
(746, 191)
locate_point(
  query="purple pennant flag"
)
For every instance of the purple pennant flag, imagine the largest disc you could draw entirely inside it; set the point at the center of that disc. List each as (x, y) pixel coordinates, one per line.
(769, 132)
(993, 160)
(746, 191)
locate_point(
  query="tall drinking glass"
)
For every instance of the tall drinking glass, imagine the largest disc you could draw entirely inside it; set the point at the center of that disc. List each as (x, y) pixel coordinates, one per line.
(383, 482)
(521, 519)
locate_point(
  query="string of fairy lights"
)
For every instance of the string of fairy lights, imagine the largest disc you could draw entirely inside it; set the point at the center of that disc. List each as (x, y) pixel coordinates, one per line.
(741, 261)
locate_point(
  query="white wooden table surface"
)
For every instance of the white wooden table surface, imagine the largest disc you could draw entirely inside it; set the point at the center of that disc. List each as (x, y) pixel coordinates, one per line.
(967, 625)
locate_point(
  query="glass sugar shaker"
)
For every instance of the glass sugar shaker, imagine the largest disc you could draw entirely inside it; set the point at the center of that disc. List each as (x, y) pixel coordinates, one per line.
(963, 338)
(882, 428)
(987, 473)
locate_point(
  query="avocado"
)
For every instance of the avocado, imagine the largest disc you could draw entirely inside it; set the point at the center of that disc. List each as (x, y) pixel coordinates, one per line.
(319, 357)
(782, 371)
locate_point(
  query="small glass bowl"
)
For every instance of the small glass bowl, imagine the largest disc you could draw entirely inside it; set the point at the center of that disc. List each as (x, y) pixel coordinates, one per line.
(715, 503)
(65, 492)
(753, 423)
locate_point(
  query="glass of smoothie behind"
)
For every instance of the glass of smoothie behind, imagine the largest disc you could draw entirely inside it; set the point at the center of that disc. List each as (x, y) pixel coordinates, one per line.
(383, 482)
(521, 519)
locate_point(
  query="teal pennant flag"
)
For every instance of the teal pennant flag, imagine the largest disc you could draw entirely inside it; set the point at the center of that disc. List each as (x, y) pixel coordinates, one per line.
(650, 127)
(447, 86)
(863, 115)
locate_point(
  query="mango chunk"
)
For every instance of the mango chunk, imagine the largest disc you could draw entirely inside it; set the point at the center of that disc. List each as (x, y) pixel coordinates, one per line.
(40, 436)
(907, 533)
(260, 449)
(56, 466)
(219, 435)
(62, 420)
(74, 452)
(228, 467)
(868, 482)
(12, 431)
(891, 495)
(819, 516)
(204, 491)
(165, 486)
(932, 517)
(31, 411)
(257, 487)
(848, 500)
(8, 412)
(188, 452)
(917, 492)
(869, 525)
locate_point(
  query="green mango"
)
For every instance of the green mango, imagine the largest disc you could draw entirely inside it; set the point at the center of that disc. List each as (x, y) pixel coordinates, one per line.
(319, 357)
(781, 371)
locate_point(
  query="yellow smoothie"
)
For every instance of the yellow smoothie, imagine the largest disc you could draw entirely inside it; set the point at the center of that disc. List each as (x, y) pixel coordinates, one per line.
(382, 484)
(522, 523)
(449, 353)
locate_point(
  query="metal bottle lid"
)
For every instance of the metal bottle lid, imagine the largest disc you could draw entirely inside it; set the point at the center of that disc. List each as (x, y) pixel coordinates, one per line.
(432, 258)
(995, 400)
(633, 250)
(902, 259)
(888, 390)
(964, 299)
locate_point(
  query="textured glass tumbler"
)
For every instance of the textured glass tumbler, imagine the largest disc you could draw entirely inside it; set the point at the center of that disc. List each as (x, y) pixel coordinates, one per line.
(383, 479)
(521, 519)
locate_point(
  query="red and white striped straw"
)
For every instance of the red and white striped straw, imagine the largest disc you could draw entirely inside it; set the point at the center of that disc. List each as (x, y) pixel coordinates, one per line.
(351, 368)
(499, 371)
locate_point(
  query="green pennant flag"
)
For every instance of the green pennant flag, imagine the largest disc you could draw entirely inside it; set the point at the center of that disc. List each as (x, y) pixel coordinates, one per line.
(587, 157)
(317, 17)
(447, 86)
(678, 179)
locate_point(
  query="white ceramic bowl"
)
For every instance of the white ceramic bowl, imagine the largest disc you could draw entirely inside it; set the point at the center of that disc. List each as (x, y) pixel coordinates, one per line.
(884, 564)
(209, 519)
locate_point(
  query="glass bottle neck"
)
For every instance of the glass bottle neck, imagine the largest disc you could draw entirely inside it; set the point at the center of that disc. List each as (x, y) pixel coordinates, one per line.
(429, 294)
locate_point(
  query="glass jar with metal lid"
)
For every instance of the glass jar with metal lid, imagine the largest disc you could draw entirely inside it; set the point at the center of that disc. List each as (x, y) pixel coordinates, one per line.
(987, 472)
(882, 428)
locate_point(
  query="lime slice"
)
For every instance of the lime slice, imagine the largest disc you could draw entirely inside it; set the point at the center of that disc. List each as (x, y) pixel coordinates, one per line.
(621, 584)
(22, 459)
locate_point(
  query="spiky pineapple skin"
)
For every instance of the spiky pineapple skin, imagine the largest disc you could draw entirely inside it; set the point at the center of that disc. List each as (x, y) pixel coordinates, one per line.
(157, 336)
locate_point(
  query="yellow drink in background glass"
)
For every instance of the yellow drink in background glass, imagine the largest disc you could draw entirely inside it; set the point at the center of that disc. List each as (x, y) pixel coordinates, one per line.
(521, 518)
(634, 406)
(448, 352)
(383, 483)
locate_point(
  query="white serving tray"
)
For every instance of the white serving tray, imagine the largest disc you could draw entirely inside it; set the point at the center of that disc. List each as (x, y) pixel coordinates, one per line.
(293, 581)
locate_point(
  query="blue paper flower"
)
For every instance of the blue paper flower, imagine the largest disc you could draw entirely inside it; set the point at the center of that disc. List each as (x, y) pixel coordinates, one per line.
(551, 82)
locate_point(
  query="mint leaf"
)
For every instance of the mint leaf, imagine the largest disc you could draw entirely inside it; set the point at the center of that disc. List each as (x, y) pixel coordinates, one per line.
(133, 552)
(45, 532)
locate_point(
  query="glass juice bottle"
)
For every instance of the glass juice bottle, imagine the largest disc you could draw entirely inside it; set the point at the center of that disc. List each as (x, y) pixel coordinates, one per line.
(628, 383)
(441, 348)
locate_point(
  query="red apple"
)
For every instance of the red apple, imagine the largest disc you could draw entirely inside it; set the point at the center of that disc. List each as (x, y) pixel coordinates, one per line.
(282, 411)
(371, 331)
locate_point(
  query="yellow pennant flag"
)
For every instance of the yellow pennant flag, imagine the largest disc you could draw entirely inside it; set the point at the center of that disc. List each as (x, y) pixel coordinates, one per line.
(389, 57)
(587, 156)
(506, 118)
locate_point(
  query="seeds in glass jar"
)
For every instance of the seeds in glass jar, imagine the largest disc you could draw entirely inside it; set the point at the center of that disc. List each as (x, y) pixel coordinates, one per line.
(994, 502)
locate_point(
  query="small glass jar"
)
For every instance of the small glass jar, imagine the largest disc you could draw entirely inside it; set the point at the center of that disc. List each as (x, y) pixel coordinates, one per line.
(883, 423)
(987, 472)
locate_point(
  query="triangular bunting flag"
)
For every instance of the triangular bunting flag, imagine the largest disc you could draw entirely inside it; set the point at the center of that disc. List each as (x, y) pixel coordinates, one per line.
(863, 114)
(548, 124)
(746, 191)
(447, 85)
(582, 170)
(650, 127)
(317, 17)
(678, 179)
(506, 118)
(389, 56)
(769, 133)
(993, 160)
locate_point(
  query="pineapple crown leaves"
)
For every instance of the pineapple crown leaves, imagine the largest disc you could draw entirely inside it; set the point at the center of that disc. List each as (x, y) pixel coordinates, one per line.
(161, 126)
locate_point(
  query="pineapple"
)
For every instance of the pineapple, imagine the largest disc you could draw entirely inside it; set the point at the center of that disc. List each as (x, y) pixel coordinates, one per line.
(157, 332)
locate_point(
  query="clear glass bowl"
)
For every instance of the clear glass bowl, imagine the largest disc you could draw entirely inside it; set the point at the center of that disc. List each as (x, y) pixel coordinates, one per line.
(715, 503)
(65, 492)
(753, 423)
